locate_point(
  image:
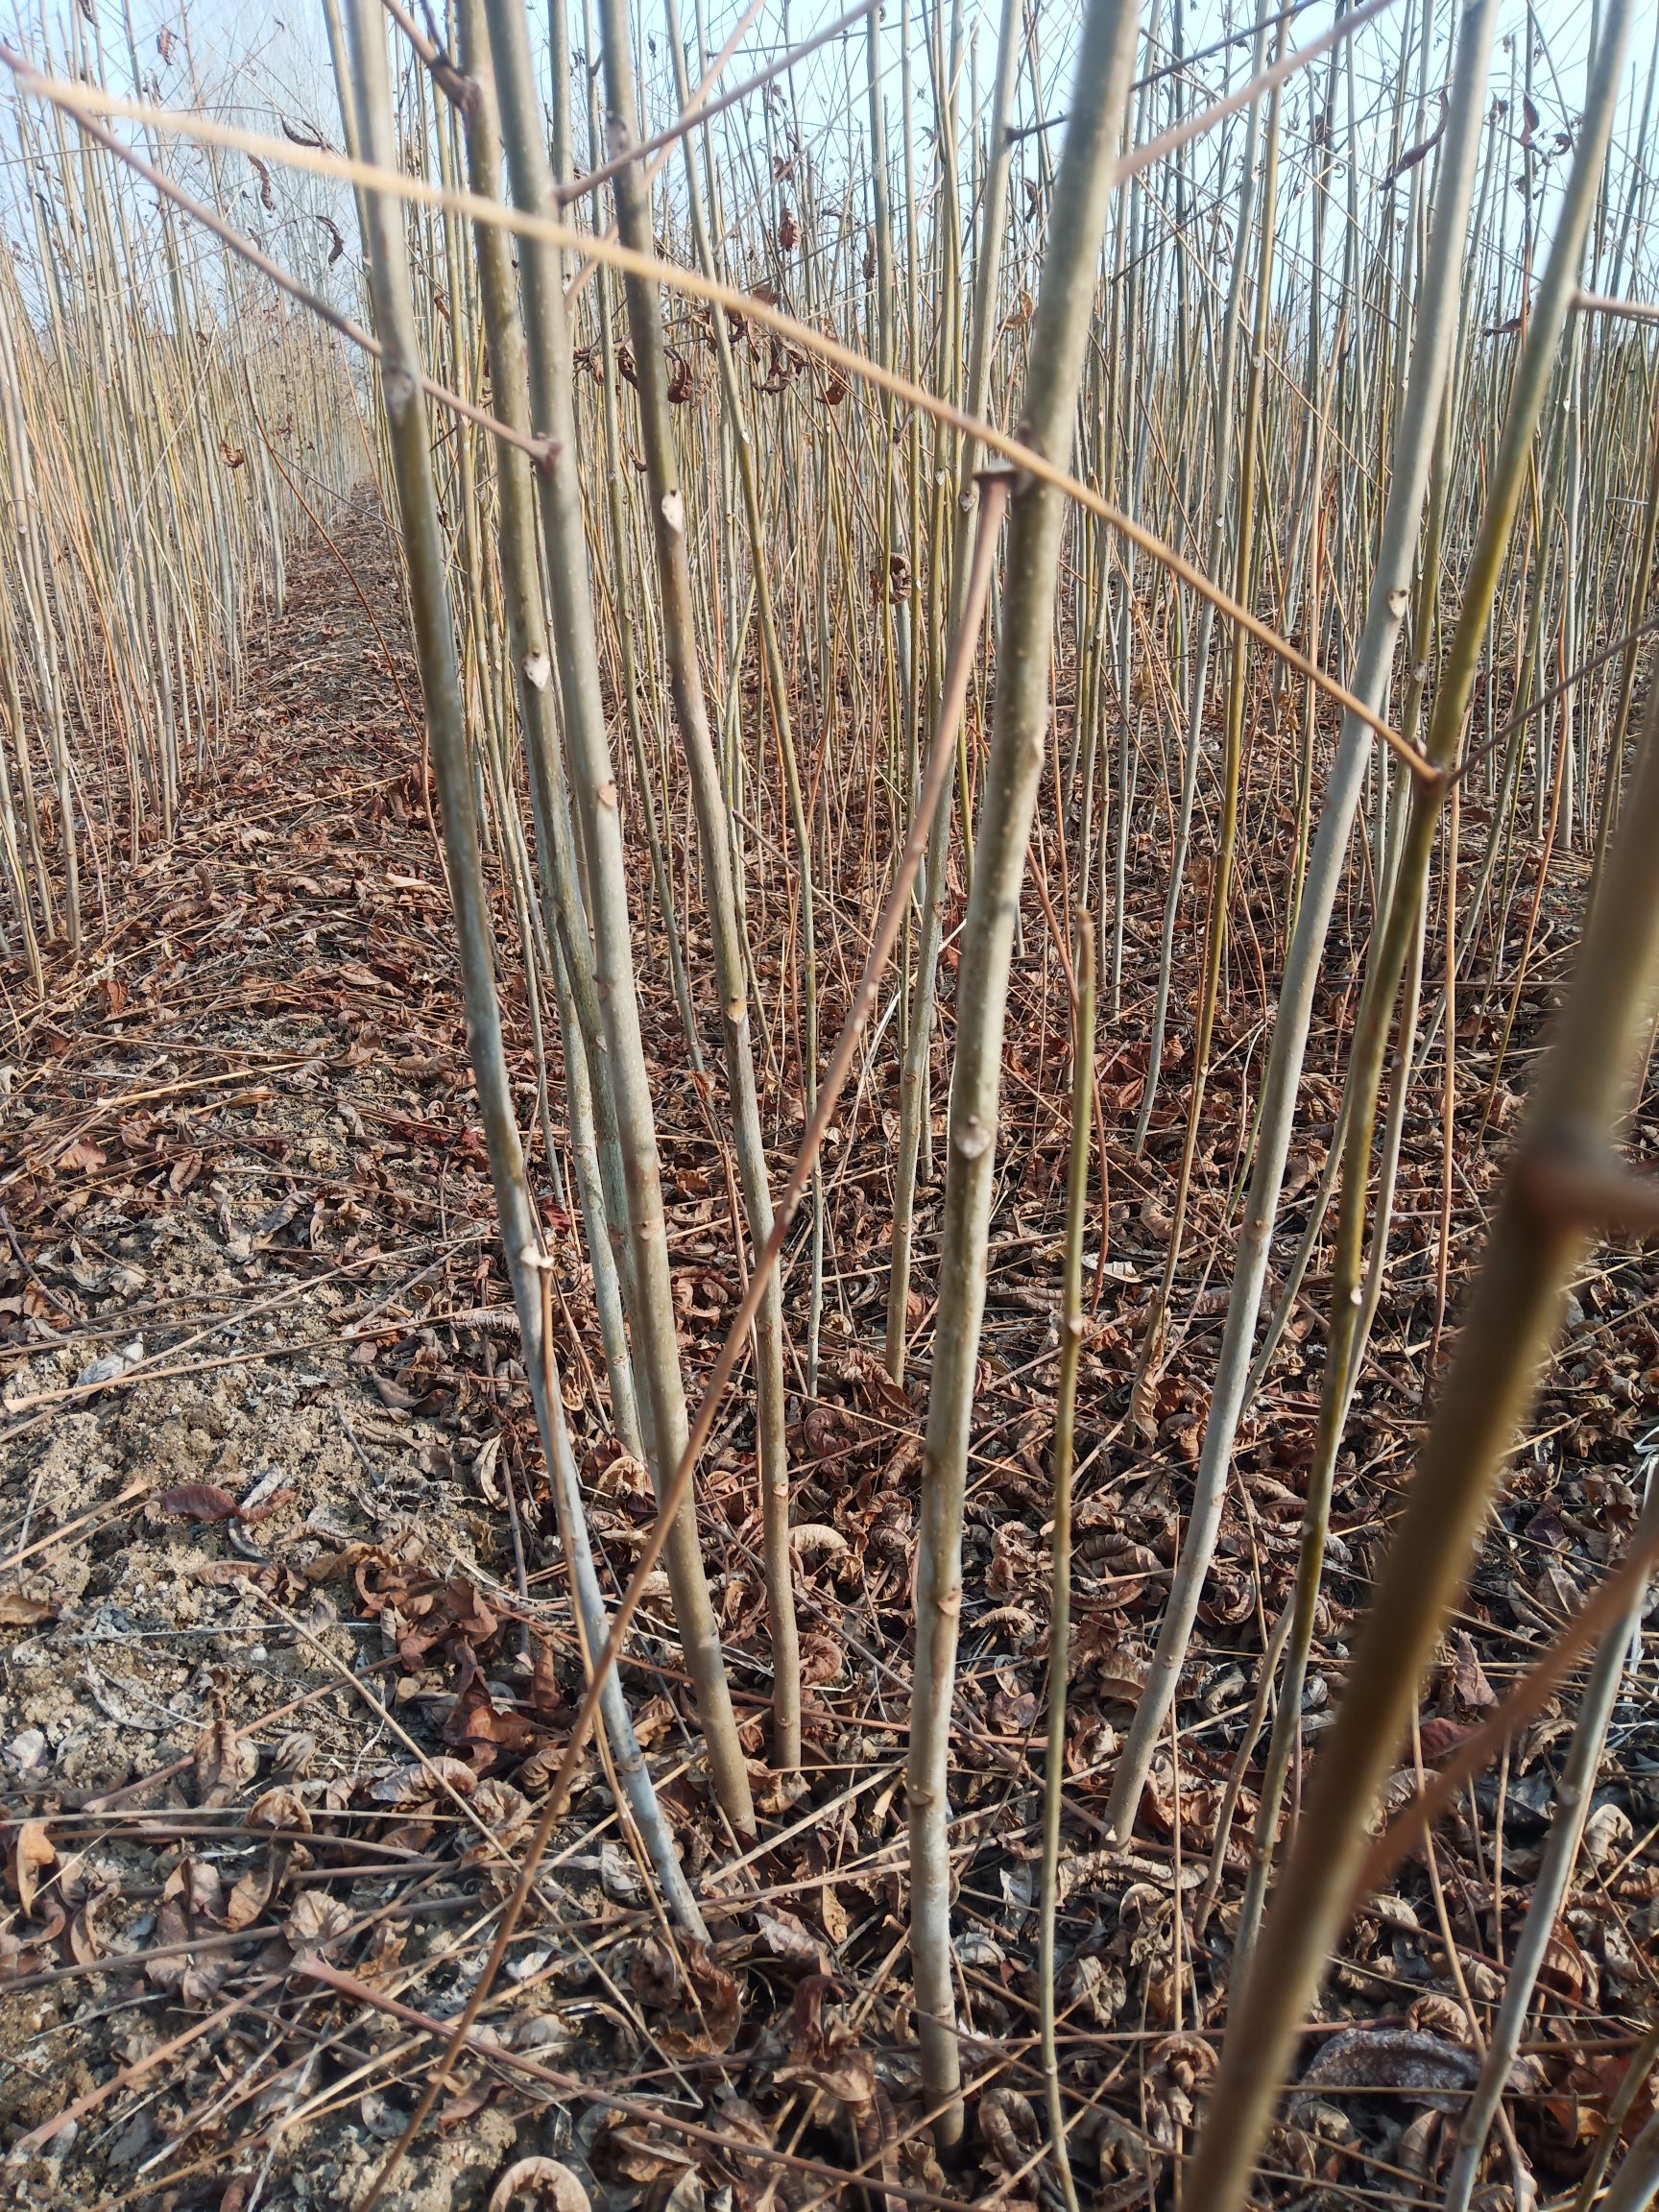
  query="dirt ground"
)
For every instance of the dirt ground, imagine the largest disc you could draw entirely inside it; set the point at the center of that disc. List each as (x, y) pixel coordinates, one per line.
(285, 1660)
(243, 1263)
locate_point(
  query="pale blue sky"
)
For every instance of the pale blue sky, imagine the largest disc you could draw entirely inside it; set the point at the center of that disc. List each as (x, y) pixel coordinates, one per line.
(287, 52)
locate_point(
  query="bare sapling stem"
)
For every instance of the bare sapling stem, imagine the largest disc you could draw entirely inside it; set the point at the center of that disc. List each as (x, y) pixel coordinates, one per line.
(1623, 2097)
(1060, 333)
(670, 521)
(1219, 509)
(922, 1006)
(631, 1775)
(1574, 1795)
(590, 1103)
(1060, 1582)
(435, 643)
(368, 96)
(594, 794)
(678, 1489)
(742, 446)
(1351, 1306)
(1636, 2184)
(1438, 309)
(1512, 1315)
(1239, 662)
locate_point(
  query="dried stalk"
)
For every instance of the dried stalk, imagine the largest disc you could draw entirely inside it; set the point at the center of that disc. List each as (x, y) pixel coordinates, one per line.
(592, 1111)
(921, 1009)
(1636, 2183)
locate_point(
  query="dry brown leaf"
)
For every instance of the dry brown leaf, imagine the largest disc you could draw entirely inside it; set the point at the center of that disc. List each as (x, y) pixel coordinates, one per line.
(1438, 2013)
(279, 1808)
(197, 1888)
(708, 2023)
(199, 1502)
(253, 1890)
(787, 1938)
(503, 1810)
(417, 1784)
(16, 1611)
(316, 1920)
(224, 1763)
(539, 2185)
(1468, 1677)
(476, 1721)
(85, 1937)
(32, 1851)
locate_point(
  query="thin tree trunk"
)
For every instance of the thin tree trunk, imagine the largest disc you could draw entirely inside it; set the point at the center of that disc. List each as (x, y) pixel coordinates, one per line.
(1018, 751)
(588, 1083)
(669, 519)
(593, 789)
(383, 240)
(921, 1006)
(1537, 1235)
(1440, 310)
(1059, 1577)
(1573, 1800)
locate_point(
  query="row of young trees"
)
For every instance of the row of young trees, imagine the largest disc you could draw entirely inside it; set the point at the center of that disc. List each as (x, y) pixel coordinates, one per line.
(765, 489)
(166, 424)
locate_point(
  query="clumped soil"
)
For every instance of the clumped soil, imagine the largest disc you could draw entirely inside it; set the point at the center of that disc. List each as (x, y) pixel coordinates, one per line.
(287, 1660)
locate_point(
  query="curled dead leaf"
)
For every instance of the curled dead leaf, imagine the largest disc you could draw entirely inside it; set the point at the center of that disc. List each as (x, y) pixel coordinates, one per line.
(16, 1611)
(199, 1502)
(416, 1783)
(540, 2184)
(224, 1763)
(316, 1921)
(253, 1891)
(32, 1851)
(787, 1937)
(1466, 1674)
(476, 1721)
(1437, 2014)
(503, 1810)
(708, 2022)
(279, 1808)
(815, 1536)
